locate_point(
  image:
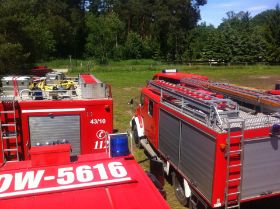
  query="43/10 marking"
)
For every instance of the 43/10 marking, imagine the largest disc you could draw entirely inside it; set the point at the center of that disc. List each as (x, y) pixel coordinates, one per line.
(98, 121)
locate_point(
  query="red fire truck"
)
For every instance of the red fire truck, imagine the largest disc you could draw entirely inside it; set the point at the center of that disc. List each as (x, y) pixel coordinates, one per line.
(36, 117)
(173, 76)
(55, 153)
(217, 154)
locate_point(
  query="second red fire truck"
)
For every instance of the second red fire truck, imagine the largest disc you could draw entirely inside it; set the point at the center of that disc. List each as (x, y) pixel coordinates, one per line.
(218, 154)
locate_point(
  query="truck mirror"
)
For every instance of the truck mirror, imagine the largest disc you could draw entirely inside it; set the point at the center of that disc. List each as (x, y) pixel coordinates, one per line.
(131, 102)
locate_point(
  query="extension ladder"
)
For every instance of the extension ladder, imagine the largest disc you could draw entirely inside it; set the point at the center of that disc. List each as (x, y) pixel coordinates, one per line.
(234, 155)
(8, 129)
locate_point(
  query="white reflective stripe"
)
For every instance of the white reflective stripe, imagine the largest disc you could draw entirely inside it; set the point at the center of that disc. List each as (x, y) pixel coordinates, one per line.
(54, 110)
(217, 205)
(140, 130)
(167, 168)
(47, 178)
(72, 186)
(187, 189)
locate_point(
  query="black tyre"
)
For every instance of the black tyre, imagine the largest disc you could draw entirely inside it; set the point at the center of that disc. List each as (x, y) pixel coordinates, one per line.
(179, 191)
(135, 137)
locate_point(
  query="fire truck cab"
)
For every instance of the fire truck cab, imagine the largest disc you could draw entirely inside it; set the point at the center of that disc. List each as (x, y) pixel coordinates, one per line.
(52, 179)
(174, 76)
(217, 154)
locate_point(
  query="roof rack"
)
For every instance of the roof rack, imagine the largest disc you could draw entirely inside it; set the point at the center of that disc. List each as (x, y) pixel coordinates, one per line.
(201, 105)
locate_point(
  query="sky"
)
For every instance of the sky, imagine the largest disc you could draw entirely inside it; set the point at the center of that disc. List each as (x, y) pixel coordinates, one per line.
(215, 10)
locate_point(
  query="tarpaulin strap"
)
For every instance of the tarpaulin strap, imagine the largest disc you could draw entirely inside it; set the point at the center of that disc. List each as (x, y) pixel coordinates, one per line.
(15, 86)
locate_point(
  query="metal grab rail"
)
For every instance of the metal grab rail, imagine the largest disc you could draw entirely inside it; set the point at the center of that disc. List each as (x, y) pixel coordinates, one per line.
(204, 107)
(48, 94)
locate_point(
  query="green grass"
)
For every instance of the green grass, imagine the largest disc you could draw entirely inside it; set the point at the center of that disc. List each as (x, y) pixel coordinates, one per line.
(254, 76)
(243, 75)
(127, 77)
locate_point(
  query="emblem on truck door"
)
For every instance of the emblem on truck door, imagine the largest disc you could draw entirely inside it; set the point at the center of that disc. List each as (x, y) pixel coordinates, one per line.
(101, 134)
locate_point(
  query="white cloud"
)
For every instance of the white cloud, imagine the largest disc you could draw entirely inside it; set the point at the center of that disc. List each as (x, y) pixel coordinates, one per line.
(257, 8)
(226, 5)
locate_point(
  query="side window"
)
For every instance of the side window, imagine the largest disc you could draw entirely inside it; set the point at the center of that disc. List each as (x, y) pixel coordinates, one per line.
(141, 100)
(170, 80)
(151, 108)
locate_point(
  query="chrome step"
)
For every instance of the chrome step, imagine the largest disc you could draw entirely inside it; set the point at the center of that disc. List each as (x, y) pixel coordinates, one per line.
(7, 112)
(233, 180)
(235, 151)
(8, 124)
(10, 150)
(234, 166)
(233, 193)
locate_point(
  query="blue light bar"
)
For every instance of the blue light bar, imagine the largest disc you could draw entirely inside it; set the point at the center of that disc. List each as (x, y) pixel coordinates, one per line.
(119, 145)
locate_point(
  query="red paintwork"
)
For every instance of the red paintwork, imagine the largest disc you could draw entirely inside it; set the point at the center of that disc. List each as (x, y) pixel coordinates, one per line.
(50, 155)
(80, 184)
(15, 86)
(88, 78)
(93, 109)
(178, 76)
(151, 130)
(40, 71)
(274, 92)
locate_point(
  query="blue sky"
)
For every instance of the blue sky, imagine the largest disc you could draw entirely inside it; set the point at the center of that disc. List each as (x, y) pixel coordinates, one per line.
(215, 10)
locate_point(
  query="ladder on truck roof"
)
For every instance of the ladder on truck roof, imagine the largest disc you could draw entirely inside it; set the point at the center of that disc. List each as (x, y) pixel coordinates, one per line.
(196, 83)
(234, 165)
(8, 129)
(242, 94)
(202, 106)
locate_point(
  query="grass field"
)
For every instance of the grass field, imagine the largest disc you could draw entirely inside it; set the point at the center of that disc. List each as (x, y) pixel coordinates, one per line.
(127, 77)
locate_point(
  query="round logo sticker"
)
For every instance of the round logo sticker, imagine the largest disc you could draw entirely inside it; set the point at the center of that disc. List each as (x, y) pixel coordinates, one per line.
(101, 134)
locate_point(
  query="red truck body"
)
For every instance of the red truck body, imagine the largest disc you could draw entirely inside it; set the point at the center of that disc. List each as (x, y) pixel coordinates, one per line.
(77, 116)
(223, 161)
(92, 181)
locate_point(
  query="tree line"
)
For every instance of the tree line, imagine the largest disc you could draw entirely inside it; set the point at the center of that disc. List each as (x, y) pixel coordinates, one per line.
(239, 38)
(36, 30)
